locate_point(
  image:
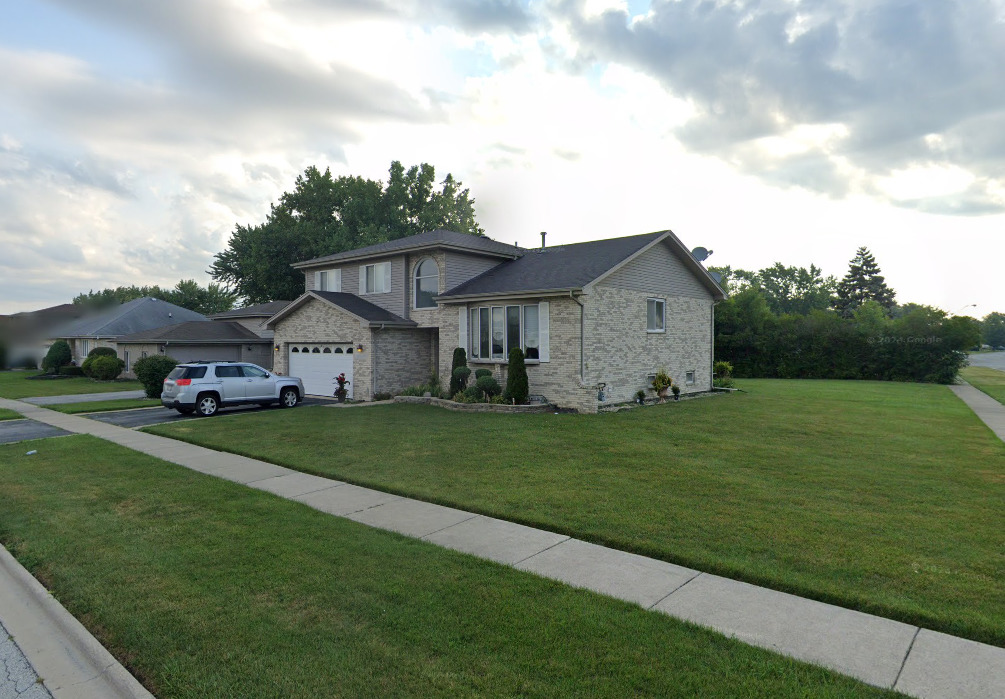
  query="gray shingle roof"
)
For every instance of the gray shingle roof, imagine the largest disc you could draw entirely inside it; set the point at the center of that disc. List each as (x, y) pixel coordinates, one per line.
(362, 308)
(262, 309)
(197, 331)
(437, 238)
(131, 317)
(556, 268)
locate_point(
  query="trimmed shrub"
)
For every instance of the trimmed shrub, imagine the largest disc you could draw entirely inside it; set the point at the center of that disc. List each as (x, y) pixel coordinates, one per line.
(382, 396)
(459, 381)
(105, 368)
(59, 355)
(152, 370)
(517, 384)
(488, 385)
(471, 394)
(71, 370)
(482, 372)
(101, 352)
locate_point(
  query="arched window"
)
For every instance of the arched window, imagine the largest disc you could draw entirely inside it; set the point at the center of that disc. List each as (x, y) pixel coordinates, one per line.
(295, 349)
(305, 350)
(316, 350)
(338, 350)
(326, 350)
(427, 283)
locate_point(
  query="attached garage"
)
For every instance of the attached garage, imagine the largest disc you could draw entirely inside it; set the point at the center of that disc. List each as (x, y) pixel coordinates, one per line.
(317, 365)
(208, 353)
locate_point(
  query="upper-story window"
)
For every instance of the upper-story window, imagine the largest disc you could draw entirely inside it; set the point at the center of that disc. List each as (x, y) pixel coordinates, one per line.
(427, 283)
(328, 280)
(375, 279)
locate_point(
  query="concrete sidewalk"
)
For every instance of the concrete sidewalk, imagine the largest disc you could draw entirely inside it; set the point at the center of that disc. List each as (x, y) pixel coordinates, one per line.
(879, 651)
(84, 398)
(990, 411)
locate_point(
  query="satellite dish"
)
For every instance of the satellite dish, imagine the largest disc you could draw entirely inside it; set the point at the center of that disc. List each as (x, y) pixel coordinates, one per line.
(700, 254)
(716, 276)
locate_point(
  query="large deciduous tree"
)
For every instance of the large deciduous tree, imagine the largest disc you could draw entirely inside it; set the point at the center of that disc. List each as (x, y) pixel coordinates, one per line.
(993, 329)
(324, 215)
(862, 283)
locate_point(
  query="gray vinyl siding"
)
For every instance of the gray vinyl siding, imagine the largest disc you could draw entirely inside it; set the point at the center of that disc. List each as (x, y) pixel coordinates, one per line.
(658, 270)
(461, 267)
(393, 300)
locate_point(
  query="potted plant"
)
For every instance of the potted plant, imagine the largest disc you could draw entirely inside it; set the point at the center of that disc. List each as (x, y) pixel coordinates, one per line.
(675, 389)
(341, 393)
(661, 384)
(640, 397)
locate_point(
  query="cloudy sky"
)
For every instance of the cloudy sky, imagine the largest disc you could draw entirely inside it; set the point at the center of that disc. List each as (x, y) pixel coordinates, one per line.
(134, 135)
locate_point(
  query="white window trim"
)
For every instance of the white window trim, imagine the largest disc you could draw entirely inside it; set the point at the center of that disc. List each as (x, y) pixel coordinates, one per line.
(689, 381)
(663, 306)
(387, 279)
(472, 325)
(415, 283)
(334, 279)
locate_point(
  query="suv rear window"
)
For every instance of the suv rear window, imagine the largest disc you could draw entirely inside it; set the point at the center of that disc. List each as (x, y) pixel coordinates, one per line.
(187, 372)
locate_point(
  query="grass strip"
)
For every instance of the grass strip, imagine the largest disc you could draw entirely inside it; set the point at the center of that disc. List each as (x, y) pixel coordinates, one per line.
(203, 587)
(19, 384)
(9, 414)
(881, 497)
(106, 405)
(990, 381)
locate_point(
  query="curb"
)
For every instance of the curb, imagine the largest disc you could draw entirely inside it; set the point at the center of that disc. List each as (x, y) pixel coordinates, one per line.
(71, 663)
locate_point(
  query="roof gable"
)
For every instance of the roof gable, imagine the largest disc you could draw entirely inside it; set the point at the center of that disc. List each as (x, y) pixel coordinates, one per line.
(361, 308)
(261, 310)
(196, 331)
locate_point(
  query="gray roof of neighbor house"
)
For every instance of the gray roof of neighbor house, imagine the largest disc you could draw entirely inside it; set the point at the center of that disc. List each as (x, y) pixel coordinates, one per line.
(130, 317)
(439, 238)
(197, 332)
(558, 268)
(262, 309)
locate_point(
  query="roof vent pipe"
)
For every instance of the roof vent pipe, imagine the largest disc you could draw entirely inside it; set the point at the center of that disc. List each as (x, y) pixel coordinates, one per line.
(543, 234)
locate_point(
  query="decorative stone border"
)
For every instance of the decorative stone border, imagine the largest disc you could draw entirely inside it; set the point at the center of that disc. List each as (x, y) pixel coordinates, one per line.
(475, 407)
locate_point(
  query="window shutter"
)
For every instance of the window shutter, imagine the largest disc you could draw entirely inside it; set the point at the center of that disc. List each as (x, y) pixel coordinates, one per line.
(362, 279)
(317, 280)
(544, 324)
(462, 327)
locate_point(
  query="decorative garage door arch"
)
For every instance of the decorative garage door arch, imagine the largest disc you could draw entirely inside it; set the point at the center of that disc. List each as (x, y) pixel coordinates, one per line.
(317, 365)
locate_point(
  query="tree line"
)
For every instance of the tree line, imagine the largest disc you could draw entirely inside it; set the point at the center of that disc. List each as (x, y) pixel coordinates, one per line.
(789, 322)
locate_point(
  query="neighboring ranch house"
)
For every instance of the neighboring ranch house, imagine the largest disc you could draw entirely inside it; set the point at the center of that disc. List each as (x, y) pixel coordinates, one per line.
(237, 335)
(104, 328)
(609, 312)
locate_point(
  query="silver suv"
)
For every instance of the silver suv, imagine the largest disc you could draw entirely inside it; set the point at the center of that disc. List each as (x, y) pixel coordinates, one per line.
(205, 387)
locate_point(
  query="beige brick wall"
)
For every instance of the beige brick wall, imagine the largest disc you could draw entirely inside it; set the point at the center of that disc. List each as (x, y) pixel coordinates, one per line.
(318, 321)
(621, 353)
(402, 357)
(136, 352)
(558, 379)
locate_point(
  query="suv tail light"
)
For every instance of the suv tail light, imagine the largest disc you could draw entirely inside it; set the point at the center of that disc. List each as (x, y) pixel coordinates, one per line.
(183, 382)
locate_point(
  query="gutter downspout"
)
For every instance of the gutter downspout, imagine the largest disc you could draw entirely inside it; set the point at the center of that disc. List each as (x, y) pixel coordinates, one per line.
(582, 338)
(711, 351)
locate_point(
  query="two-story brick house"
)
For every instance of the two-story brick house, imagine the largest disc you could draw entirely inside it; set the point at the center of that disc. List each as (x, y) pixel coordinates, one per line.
(608, 311)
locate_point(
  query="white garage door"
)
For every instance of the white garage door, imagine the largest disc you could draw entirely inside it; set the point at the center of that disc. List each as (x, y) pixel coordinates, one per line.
(318, 365)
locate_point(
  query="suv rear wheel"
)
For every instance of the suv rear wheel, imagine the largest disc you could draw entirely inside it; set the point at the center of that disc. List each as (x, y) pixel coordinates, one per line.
(288, 398)
(207, 404)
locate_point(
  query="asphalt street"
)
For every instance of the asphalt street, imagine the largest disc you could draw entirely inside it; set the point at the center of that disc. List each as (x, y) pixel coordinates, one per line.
(992, 360)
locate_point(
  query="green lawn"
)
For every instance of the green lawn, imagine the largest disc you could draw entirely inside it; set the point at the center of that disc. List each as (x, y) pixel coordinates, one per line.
(17, 384)
(9, 415)
(105, 405)
(991, 381)
(882, 497)
(206, 588)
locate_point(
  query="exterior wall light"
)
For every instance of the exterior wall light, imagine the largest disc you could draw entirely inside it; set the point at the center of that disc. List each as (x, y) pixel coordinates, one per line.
(359, 348)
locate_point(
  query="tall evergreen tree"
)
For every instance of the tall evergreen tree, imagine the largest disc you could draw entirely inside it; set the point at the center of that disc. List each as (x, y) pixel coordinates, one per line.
(862, 283)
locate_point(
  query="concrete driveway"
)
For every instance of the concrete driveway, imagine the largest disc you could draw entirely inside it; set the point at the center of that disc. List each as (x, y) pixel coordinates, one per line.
(991, 360)
(145, 417)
